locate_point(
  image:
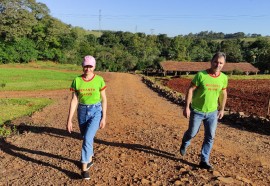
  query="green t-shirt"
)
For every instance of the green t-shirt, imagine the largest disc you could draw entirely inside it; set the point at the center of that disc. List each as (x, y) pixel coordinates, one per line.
(88, 91)
(205, 96)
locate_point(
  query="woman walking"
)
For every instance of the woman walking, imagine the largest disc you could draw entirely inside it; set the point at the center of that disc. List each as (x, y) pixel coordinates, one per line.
(88, 94)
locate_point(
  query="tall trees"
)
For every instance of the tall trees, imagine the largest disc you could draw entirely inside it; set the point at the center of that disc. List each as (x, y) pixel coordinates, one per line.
(19, 16)
(261, 54)
(179, 47)
(199, 50)
(28, 32)
(232, 49)
(163, 44)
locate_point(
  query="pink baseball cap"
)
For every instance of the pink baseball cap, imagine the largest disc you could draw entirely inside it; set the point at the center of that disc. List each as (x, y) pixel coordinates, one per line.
(89, 60)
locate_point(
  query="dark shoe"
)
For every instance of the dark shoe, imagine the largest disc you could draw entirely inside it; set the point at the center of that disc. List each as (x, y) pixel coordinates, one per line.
(90, 164)
(85, 175)
(204, 165)
(182, 150)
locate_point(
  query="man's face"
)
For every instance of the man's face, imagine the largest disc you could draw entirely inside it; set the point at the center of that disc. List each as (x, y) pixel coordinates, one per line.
(217, 64)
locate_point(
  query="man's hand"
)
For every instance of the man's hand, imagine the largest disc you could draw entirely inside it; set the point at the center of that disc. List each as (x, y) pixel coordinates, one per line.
(186, 112)
(220, 114)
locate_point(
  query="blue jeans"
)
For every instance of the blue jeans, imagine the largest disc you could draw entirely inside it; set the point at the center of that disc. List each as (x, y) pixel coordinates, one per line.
(89, 117)
(210, 125)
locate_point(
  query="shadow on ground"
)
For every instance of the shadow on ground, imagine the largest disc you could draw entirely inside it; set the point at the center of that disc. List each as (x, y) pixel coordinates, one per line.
(251, 124)
(20, 152)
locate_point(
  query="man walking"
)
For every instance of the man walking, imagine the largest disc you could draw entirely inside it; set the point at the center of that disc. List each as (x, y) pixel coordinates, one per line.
(205, 102)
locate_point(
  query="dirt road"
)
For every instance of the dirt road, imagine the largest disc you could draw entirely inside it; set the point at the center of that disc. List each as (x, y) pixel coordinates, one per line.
(139, 146)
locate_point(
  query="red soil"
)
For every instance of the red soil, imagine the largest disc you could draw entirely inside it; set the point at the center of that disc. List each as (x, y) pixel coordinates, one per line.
(248, 96)
(138, 146)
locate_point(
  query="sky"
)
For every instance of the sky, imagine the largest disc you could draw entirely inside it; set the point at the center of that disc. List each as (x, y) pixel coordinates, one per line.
(171, 17)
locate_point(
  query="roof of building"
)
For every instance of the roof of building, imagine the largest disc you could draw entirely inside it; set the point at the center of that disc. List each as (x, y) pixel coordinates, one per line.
(198, 66)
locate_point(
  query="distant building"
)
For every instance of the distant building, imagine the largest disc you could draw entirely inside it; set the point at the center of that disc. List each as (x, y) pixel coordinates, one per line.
(187, 67)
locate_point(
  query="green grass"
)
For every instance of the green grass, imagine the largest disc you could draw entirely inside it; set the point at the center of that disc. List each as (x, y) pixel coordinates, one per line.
(96, 33)
(240, 77)
(34, 79)
(30, 77)
(14, 108)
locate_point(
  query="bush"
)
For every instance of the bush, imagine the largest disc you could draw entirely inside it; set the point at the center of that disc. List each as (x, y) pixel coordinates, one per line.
(26, 49)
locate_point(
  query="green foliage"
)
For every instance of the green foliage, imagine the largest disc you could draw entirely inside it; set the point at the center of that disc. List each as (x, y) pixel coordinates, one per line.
(25, 49)
(180, 47)
(232, 49)
(258, 53)
(29, 33)
(3, 53)
(18, 17)
(6, 130)
(200, 51)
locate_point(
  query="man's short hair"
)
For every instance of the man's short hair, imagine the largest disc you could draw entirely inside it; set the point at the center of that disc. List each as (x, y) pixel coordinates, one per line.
(218, 55)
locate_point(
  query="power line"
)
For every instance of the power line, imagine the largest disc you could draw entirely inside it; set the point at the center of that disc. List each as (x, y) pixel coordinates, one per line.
(164, 17)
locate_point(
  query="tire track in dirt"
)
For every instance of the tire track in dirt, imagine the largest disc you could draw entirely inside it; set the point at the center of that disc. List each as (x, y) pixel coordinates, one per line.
(138, 146)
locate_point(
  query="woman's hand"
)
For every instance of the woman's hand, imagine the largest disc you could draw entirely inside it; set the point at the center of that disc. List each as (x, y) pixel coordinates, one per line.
(102, 123)
(69, 126)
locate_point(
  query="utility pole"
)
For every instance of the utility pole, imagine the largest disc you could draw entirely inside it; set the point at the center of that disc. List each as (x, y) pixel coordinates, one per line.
(99, 22)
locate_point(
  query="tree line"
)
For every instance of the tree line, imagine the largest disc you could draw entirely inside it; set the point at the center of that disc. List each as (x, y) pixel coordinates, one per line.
(29, 33)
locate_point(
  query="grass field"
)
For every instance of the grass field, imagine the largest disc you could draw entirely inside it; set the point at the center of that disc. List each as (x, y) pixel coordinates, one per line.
(34, 79)
(23, 106)
(261, 76)
(249, 39)
(31, 77)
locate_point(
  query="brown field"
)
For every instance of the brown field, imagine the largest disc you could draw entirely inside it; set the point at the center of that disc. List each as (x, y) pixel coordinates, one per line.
(248, 96)
(139, 145)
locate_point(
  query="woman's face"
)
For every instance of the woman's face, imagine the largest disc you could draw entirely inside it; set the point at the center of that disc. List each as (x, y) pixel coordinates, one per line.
(88, 69)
